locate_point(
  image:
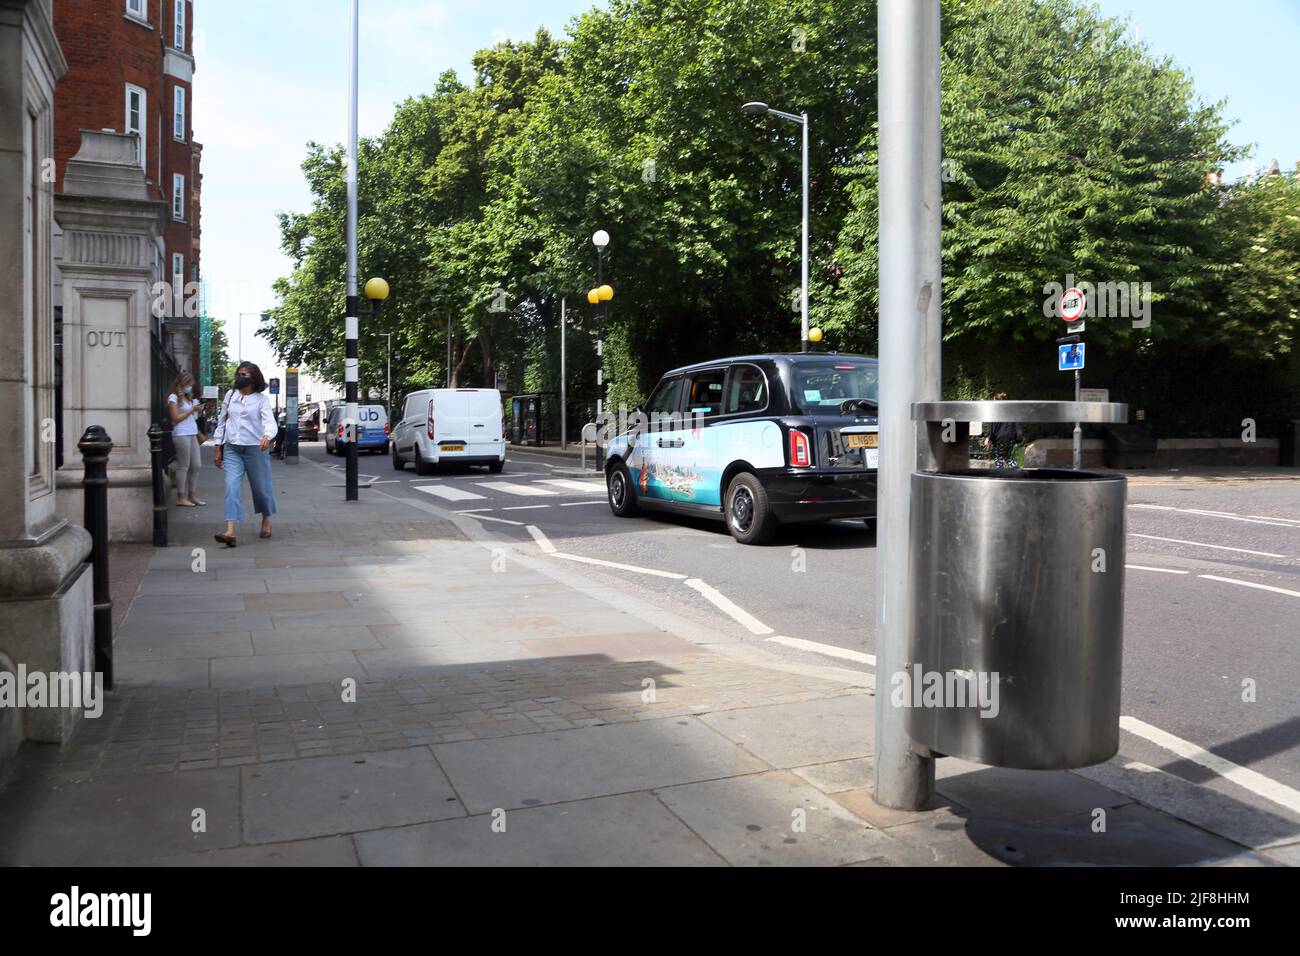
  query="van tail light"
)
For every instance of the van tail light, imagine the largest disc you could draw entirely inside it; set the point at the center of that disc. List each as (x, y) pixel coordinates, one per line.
(800, 456)
(340, 429)
(431, 419)
(385, 428)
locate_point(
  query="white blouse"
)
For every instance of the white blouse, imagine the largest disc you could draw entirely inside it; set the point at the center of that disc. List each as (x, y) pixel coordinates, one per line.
(245, 419)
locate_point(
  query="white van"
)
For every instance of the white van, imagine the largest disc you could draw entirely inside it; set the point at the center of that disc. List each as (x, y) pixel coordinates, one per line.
(450, 425)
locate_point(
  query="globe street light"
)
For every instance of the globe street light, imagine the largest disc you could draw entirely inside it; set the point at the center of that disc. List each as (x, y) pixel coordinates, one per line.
(762, 109)
(600, 295)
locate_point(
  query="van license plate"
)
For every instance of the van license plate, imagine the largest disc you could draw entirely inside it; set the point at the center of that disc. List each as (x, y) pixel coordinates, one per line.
(863, 441)
(451, 447)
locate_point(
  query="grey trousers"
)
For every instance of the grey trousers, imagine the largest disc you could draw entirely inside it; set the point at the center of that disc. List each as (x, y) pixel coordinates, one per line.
(188, 462)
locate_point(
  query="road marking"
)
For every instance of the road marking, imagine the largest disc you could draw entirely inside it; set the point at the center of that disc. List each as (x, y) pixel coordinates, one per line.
(572, 484)
(614, 564)
(1249, 519)
(572, 504)
(1249, 584)
(473, 511)
(1202, 544)
(1143, 567)
(1256, 783)
(524, 507)
(386, 481)
(543, 542)
(829, 650)
(450, 493)
(511, 488)
(477, 517)
(728, 607)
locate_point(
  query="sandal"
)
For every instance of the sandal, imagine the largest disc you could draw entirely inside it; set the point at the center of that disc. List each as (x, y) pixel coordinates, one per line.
(197, 501)
(264, 534)
(227, 539)
(184, 504)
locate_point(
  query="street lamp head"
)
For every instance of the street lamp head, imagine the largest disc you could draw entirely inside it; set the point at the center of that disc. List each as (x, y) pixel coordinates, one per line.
(600, 238)
(594, 296)
(605, 293)
(814, 335)
(376, 288)
(755, 109)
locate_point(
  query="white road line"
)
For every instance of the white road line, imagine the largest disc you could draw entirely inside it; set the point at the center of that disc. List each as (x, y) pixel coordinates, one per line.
(524, 507)
(1202, 544)
(543, 542)
(450, 493)
(1249, 519)
(477, 517)
(386, 481)
(572, 484)
(1249, 584)
(1256, 783)
(571, 504)
(473, 511)
(729, 607)
(1143, 567)
(614, 564)
(829, 650)
(511, 488)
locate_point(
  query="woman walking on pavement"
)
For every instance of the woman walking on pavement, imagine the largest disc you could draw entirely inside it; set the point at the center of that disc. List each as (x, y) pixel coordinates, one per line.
(1004, 437)
(244, 432)
(183, 407)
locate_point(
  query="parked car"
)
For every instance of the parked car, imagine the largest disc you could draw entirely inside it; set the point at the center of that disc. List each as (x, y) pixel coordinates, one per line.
(309, 425)
(372, 429)
(438, 425)
(754, 441)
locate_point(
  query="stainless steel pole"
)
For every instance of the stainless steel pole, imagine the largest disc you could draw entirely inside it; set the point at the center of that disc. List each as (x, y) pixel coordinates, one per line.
(910, 272)
(350, 362)
(803, 268)
(564, 393)
(1078, 429)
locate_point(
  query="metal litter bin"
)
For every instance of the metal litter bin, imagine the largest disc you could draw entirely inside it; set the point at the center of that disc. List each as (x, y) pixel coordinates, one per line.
(1018, 611)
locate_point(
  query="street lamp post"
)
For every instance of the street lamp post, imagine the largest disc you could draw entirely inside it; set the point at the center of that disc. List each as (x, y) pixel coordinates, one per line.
(376, 291)
(600, 296)
(351, 331)
(762, 109)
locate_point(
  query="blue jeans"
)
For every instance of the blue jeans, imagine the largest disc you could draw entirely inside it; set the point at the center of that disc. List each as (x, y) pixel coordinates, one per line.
(240, 460)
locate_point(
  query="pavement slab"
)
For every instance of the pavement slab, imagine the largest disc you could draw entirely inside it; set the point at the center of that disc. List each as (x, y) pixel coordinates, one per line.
(775, 819)
(326, 851)
(515, 772)
(627, 830)
(321, 796)
(793, 735)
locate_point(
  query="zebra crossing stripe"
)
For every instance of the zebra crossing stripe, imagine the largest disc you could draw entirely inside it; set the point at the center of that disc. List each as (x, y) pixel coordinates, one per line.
(511, 488)
(572, 484)
(449, 492)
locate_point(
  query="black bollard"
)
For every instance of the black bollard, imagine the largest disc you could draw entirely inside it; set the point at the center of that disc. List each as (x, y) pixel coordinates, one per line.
(159, 495)
(95, 447)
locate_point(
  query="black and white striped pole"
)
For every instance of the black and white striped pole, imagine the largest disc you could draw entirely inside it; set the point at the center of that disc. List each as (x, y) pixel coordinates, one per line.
(350, 362)
(600, 296)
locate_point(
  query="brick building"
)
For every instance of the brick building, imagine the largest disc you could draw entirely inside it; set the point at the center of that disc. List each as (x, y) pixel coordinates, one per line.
(130, 69)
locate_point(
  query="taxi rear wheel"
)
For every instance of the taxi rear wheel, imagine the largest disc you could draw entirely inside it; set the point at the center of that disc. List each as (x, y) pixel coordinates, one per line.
(622, 499)
(749, 513)
(422, 467)
(398, 464)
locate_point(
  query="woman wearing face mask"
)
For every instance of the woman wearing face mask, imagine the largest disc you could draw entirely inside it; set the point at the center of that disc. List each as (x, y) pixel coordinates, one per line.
(185, 435)
(245, 428)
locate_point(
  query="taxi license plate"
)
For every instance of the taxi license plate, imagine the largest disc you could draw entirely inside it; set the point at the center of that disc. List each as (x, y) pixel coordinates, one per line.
(863, 441)
(451, 447)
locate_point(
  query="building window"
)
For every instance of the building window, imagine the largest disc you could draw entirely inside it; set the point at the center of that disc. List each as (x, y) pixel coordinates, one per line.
(178, 272)
(138, 9)
(135, 107)
(180, 25)
(178, 197)
(178, 113)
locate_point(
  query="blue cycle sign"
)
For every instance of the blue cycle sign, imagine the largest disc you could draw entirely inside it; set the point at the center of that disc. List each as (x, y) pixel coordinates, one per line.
(1069, 358)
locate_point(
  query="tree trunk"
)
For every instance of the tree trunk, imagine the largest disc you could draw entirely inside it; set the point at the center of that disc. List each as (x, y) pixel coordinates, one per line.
(460, 363)
(489, 363)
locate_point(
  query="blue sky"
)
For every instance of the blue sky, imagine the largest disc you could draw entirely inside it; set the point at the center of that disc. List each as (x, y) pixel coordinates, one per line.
(272, 76)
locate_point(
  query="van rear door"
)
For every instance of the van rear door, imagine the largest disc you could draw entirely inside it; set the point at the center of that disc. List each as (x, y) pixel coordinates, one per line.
(483, 410)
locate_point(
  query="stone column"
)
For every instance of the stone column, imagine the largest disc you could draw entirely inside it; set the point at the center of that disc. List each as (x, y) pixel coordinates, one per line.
(108, 268)
(45, 586)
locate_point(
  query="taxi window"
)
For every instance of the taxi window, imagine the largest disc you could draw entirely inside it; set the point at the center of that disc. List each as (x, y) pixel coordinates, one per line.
(664, 399)
(704, 392)
(746, 390)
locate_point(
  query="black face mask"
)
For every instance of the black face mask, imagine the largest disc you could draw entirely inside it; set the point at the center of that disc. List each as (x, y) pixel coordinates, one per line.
(241, 381)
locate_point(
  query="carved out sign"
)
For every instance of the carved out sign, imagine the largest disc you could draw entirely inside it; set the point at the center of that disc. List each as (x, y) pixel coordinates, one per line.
(106, 338)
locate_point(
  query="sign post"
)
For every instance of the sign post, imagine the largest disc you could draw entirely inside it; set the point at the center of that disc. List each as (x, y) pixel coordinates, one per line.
(291, 416)
(1070, 357)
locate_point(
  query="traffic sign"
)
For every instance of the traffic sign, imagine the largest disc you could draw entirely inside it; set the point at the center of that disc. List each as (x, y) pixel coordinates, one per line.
(1094, 395)
(1069, 358)
(1072, 304)
(275, 386)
